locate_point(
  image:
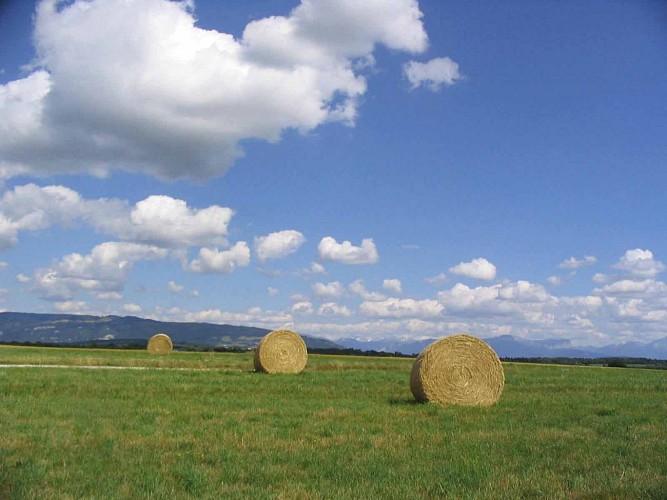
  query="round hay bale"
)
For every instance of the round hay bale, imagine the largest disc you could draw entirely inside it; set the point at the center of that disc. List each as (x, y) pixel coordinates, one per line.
(458, 370)
(281, 351)
(160, 344)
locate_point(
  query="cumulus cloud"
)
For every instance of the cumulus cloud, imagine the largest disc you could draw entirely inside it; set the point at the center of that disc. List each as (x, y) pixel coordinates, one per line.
(71, 306)
(640, 264)
(333, 309)
(254, 316)
(436, 280)
(317, 268)
(573, 263)
(105, 269)
(393, 285)
(400, 308)
(632, 287)
(278, 245)
(357, 288)
(174, 287)
(600, 278)
(212, 260)
(555, 280)
(302, 307)
(158, 220)
(132, 308)
(32, 208)
(135, 84)
(432, 74)
(480, 269)
(502, 299)
(346, 252)
(331, 289)
(166, 221)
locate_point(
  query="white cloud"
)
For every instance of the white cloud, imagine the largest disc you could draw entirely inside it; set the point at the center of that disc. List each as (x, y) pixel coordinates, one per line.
(480, 269)
(302, 307)
(317, 268)
(462, 297)
(272, 291)
(212, 260)
(506, 299)
(640, 264)
(346, 253)
(70, 306)
(254, 316)
(573, 263)
(401, 308)
(412, 329)
(333, 309)
(31, 208)
(436, 280)
(331, 289)
(108, 296)
(600, 278)
(555, 280)
(174, 287)
(177, 99)
(105, 269)
(523, 291)
(132, 308)
(357, 288)
(166, 221)
(432, 74)
(278, 245)
(22, 278)
(393, 285)
(631, 287)
(158, 220)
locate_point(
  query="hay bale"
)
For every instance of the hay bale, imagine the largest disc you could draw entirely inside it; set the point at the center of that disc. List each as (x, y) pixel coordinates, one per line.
(459, 370)
(160, 344)
(281, 351)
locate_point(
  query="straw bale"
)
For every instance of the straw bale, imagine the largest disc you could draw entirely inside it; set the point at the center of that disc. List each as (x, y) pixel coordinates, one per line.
(281, 351)
(160, 343)
(459, 370)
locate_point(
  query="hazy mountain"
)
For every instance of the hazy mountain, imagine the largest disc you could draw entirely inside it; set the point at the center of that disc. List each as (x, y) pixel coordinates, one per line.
(71, 328)
(81, 329)
(508, 346)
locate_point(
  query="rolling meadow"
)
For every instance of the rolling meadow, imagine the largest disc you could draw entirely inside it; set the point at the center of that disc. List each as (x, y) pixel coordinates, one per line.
(204, 425)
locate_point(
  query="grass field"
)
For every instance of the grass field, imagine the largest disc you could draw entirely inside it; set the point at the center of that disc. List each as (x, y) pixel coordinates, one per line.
(345, 428)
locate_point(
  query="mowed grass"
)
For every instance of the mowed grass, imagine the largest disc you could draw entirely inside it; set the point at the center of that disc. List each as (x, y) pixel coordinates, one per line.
(345, 428)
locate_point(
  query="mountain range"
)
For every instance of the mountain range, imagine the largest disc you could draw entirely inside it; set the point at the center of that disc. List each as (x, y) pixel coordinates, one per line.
(77, 329)
(74, 329)
(508, 346)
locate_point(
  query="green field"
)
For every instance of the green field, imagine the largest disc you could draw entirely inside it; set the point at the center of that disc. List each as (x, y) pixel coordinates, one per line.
(345, 428)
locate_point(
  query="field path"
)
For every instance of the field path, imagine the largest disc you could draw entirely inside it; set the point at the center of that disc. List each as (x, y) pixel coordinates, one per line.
(110, 367)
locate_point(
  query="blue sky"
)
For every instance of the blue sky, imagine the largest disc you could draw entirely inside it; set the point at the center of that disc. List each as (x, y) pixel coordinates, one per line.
(391, 169)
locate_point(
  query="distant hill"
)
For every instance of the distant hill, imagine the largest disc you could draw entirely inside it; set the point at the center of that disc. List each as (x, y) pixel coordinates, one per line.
(74, 329)
(508, 346)
(83, 329)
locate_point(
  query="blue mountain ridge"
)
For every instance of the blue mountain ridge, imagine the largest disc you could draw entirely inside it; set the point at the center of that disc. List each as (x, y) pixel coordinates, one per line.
(84, 329)
(508, 346)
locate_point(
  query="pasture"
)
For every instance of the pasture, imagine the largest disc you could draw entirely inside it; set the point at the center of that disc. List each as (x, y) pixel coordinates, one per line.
(206, 426)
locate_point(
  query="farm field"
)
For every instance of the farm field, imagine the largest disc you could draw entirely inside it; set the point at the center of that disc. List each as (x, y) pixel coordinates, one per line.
(345, 428)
